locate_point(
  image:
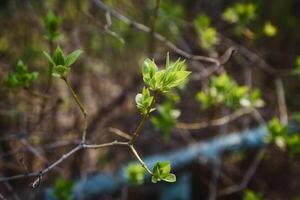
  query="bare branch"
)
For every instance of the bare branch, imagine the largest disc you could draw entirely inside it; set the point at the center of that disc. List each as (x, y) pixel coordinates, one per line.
(281, 101)
(158, 36)
(82, 109)
(139, 159)
(216, 122)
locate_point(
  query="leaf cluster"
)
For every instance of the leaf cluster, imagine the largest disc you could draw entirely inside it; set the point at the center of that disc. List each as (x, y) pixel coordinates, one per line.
(224, 90)
(166, 118)
(251, 195)
(159, 81)
(207, 33)
(21, 77)
(61, 63)
(240, 14)
(162, 172)
(282, 138)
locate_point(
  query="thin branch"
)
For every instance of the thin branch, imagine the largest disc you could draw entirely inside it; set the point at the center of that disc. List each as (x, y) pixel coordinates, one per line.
(120, 133)
(158, 36)
(97, 146)
(216, 122)
(82, 109)
(152, 27)
(64, 157)
(248, 176)
(139, 159)
(281, 101)
(60, 160)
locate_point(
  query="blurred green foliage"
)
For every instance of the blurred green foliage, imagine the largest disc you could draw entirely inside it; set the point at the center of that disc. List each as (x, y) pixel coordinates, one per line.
(224, 90)
(207, 34)
(283, 138)
(21, 77)
(251, 195)
(166, 118)
(240, 14)
(63, 189)
(135, 173)
(52, 23)
(269, 29)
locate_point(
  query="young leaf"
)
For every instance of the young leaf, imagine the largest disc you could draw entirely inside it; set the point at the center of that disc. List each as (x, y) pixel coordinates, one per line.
(60, 71)
(58, 57)
(49, 58)
(72, 57)
(161, 171)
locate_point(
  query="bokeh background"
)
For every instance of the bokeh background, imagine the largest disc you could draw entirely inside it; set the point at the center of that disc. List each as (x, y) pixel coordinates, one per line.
(38, 124)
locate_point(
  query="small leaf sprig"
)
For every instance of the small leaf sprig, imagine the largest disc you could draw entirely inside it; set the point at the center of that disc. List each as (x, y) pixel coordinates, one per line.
(284, 139)
(61, 63)
(157, 81)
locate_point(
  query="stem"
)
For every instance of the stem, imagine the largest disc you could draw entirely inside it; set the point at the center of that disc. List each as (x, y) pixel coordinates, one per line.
(82, 109)
(139, 159)
(96, 146)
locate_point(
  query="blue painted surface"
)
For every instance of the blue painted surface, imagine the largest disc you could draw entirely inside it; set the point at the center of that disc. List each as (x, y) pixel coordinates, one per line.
(209, 150)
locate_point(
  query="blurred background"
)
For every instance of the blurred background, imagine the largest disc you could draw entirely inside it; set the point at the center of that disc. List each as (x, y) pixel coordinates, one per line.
(254, 85)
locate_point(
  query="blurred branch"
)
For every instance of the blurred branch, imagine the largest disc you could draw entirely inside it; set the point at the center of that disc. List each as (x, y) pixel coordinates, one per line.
(254, 58)
(247, 177)
(82, 109)
(216, 122)
(158, 36)
(120, 133)
(213, 186)
(152, 28)
(281, 101)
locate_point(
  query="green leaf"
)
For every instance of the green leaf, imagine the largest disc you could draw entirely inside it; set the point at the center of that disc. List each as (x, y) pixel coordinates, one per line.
(144, 101)
(72, 57)
(170, 178)
(58, 57)
(49, 58)
(149, 69)
(161, 171)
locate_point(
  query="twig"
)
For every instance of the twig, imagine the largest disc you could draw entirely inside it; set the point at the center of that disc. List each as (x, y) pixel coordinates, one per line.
(254, 58)
(97, 146)
(246, 179)
(120, 133)
(139, 159)
(152, 28)
(60, 160)
(216, 122)
(281, 101)
(82, 109)
(2, 197)
(158, 36)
